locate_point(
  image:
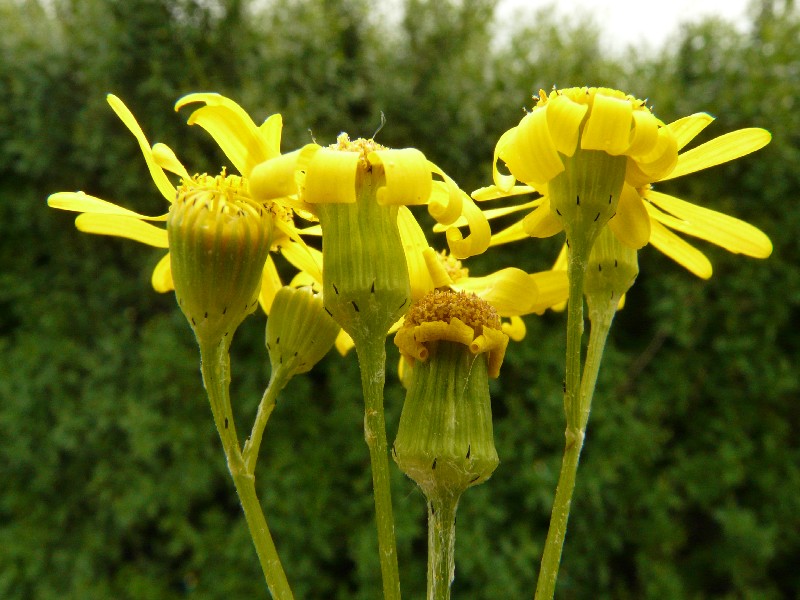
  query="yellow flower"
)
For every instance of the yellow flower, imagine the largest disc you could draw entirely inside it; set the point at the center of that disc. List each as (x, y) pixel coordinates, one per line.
(255, 144)
(512, 292)
(579, 121)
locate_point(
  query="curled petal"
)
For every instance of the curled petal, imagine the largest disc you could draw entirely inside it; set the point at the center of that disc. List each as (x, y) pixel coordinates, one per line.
(609, 125)
(680, 251)
(564, 118)
(479, 232)
(281, 176)
(531, 154)
(162, 275)
(80, 202)
(645, 133)
(720, 150)
(503, 182)
(331, 177)
(124, 227)
(156, 172)
(514, 328)
(728, 232)
(270, 132)
(408, 176)
(661, 159)
(446, 199)
(631, 224)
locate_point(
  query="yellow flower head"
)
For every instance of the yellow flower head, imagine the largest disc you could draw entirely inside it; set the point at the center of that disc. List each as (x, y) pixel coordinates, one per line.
(584, 138)
(329, 175)
(253, 144)
(444, 315)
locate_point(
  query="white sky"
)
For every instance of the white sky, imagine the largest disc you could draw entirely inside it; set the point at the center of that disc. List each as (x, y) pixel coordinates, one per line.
(642, 23)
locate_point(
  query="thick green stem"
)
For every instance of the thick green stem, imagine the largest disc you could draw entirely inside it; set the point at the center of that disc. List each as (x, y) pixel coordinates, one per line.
(215, 367)
(372, 361)
(441, 546)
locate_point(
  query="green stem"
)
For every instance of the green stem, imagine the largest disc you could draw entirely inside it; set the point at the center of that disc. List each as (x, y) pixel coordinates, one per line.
(372, 361)
(280, 377)
(215, 367)
(551, 558)
(577, 420)
(441, 546)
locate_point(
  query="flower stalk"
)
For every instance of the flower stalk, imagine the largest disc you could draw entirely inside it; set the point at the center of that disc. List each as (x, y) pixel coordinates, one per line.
(215, 368)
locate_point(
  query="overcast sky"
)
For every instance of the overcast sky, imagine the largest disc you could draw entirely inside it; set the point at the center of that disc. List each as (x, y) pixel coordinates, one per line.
(641, 23)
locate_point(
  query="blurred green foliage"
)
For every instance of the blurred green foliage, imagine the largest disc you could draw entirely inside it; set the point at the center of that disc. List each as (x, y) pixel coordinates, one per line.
(113, 482)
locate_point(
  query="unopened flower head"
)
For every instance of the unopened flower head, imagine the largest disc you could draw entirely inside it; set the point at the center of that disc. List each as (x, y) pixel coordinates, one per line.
(219, 240)
(594, 155)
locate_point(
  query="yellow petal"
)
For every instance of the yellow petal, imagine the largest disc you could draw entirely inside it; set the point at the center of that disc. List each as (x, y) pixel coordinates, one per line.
(270, 131)
(280, 176)
(660, 160)
(304, 258)
(157, 173)
(331, 177)
(479, 232)
(80, 202)
(231, 127)
(564, 118)
(514, 328)
(344, 343)
(492, 192)
(553, 289)
(503, 182)
(408, 177)
(166, 159)
(510, 234)
(687, 128)
(493, 213)
(542, 222)
(125, 227)
(720, 150)
(530, 154)
(631, 224)
(414, 244)
(728, 232)
(680, 251)
(162, 275)
(447, 199)
(645, 133)
(511, 291)
(436, 271)
(270, 284)
(608, 127)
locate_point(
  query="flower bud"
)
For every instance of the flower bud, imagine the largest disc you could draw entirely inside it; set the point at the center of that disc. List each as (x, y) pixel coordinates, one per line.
(218, 240)
(299, 331)
(611, 272)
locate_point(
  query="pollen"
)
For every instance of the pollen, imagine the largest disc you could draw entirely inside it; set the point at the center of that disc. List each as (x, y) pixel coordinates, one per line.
(361, 145)
(452, 266)
(445, 305)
